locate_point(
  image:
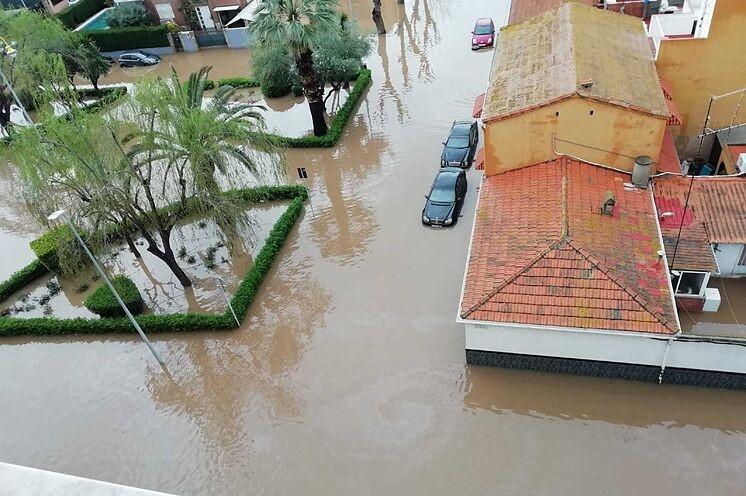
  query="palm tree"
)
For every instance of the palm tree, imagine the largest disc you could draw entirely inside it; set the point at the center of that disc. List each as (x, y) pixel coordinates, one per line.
(297, 24)
(205, 134)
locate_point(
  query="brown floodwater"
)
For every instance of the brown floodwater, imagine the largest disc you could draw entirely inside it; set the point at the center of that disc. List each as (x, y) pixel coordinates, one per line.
(348, 375)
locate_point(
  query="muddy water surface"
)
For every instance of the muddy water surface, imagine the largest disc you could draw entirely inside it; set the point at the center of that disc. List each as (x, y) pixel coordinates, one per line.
(348, 376)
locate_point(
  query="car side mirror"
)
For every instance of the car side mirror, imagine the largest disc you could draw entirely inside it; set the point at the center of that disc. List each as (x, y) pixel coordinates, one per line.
(443, 143)
(427, 197)
(472, 32)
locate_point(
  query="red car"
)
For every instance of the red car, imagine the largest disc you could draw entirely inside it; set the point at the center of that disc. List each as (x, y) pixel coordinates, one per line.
(483, 34)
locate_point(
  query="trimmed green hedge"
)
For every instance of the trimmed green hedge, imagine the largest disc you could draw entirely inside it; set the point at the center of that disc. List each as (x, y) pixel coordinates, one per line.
(102, 301)
(45, 247)
(239, 82)
(241, 300)
(338, 124)
(21, 278)
(74, 15)
(113, 39)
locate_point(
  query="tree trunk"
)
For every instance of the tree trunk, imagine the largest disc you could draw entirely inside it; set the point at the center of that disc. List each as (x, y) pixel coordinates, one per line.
(377, 17)
(167, 255)
(94, 82)
(132, 246)
(313, 91)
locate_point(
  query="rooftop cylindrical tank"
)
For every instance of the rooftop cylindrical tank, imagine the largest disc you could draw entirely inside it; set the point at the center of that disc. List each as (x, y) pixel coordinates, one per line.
(641, 172)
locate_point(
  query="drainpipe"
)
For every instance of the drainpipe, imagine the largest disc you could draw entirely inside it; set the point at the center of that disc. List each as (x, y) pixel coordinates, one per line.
(665, 358)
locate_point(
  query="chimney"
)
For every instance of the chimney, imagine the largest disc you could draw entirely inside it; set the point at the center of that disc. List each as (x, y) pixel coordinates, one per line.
(607, 207)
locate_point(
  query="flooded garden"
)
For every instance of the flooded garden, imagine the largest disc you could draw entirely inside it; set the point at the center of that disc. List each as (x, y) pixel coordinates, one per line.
(347, 374)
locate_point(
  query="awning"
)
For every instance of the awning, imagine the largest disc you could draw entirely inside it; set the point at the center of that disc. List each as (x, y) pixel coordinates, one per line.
(476, 112)
(247, 13)
(225, 8)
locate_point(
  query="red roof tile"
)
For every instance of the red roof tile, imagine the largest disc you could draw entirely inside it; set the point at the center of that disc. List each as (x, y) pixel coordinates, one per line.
(736, 150)
(718, 202)
(476, 111)
(668, 160)
(543, 254)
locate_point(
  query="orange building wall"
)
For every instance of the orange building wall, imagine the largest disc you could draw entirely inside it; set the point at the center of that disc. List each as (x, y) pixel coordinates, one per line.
(699, 68)
(611, 136)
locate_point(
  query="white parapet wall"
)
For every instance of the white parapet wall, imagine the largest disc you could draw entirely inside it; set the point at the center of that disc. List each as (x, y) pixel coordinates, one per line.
(16, 480)
(684, 352)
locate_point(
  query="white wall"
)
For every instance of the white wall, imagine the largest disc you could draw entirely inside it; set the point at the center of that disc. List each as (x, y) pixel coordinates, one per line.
(727, 256)
(634, 348)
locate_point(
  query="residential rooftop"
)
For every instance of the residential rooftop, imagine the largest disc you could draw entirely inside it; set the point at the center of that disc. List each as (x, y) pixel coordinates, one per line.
(573, 50)
(716, 213)
(542, 252)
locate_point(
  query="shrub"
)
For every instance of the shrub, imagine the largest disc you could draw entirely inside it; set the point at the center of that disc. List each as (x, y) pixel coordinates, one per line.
(128, 15)
(273, 67)
(103, 303)
(113, 39)
(73, 15)
(21, 278)
(338, 124)
(241, 300)
(239, 82)
(45, 247)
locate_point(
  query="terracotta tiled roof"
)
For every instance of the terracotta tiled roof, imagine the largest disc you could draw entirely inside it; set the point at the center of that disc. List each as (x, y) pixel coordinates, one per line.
(668, 160)
(717, 202)
(546, 58)
(542, 253)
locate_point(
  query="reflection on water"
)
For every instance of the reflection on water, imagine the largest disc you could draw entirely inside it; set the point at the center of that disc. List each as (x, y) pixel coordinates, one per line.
(348, 375)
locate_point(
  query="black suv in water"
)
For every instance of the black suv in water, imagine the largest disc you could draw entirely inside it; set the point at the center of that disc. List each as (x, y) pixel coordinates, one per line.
(446, 197)
(461, 145)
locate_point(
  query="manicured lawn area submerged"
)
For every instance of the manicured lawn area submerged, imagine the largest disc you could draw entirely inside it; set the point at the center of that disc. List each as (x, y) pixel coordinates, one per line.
(241, 300)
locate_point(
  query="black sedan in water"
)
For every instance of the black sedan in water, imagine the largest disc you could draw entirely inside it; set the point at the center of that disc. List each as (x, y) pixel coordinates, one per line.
(446, 197)
(461, 145)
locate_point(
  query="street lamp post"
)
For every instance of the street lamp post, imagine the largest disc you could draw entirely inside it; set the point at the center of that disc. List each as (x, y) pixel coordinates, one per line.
(61, 214)
(221, 285)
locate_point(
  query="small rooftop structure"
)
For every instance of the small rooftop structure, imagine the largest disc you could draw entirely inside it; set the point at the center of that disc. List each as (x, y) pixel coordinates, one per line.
(716, 204)
(543, 253)
(574, 50)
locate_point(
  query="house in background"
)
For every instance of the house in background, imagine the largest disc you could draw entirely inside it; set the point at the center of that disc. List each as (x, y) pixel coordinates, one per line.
(728, 154)
(576, 81)
(699, 51)
(210, 14)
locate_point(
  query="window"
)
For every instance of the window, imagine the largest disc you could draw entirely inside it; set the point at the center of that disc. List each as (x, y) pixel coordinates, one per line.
(689, 283)
(165, 11)
(591, 112)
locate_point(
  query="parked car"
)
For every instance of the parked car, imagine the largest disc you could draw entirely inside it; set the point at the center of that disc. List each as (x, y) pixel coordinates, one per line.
(483, 34)
(446, 197)
(108, 59)
(461, 146)
(139, 58)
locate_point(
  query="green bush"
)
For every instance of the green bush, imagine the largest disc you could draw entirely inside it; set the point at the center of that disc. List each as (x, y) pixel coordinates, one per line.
(21, 278)
(338, 124)
(113, 39)
(128, 15)
(274, 68)
(73, 15)
(45, 247)
(103, 303)
(241, 301)
(239, 82)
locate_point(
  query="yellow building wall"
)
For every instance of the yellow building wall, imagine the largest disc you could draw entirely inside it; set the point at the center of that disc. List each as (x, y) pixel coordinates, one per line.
(699, 68)
(609, 135)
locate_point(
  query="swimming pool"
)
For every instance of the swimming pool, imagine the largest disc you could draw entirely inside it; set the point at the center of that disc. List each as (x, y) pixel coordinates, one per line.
(97, 21)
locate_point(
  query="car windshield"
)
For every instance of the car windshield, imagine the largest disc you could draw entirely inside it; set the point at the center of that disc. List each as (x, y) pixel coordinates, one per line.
(482, 29)
(458, 142)
(444, 190)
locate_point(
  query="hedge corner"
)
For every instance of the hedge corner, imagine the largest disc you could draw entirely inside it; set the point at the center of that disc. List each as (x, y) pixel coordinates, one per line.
(103, 303)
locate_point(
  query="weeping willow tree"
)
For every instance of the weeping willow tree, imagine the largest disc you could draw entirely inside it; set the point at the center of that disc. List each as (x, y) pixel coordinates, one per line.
(144, 166)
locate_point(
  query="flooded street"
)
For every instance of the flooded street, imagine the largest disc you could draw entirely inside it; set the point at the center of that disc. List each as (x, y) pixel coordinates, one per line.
(348, 375)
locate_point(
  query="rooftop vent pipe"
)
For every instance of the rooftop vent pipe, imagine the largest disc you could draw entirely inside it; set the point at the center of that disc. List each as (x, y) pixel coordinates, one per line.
(586, 84)
(641, 172)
